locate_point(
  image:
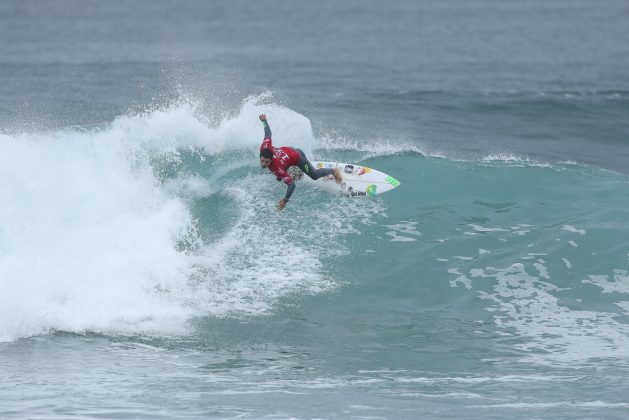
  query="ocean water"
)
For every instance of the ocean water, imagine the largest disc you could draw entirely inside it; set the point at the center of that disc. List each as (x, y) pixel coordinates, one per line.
(144, 270)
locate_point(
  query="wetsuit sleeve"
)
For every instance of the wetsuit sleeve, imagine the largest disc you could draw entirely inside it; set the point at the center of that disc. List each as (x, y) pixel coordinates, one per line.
(281, 174)
(267, 130)
(266, 143)
(289, 190)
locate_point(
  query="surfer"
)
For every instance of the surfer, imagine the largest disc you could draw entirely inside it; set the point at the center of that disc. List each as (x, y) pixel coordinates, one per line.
(279, 159)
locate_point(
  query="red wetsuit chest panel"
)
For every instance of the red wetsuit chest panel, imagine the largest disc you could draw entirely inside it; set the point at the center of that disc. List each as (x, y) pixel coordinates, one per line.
(283, 157)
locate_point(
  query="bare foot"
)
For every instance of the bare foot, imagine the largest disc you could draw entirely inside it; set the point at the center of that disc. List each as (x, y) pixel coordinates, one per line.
(337, 175)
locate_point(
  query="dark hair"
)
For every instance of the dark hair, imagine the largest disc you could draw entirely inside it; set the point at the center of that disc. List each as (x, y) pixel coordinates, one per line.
(266, 153)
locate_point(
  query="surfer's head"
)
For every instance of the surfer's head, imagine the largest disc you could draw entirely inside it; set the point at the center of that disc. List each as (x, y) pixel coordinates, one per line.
(266, 157)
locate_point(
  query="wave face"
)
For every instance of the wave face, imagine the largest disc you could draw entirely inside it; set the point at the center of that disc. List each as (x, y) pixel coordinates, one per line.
(158, 233)
(143, 224)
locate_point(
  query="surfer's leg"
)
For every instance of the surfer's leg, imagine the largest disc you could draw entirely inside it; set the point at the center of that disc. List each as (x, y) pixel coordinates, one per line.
(307, 168)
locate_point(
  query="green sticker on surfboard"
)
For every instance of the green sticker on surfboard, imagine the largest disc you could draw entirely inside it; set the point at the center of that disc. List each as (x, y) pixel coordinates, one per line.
(371, 189)
(392, 181)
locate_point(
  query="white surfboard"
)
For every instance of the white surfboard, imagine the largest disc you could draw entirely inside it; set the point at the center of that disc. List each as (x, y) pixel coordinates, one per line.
(359, 180)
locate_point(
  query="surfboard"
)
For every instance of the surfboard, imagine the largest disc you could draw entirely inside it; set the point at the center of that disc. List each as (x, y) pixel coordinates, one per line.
(359, 180)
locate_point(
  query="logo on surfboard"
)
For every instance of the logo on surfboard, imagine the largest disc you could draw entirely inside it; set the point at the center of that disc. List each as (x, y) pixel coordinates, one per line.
(355, 183)
(371, 189)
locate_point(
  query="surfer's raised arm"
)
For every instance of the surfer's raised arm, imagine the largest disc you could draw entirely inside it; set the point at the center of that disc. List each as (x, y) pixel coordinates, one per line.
(267, 129)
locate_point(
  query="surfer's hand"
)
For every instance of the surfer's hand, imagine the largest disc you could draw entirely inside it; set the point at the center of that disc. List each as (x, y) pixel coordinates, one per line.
(281, 204)
(262, 117)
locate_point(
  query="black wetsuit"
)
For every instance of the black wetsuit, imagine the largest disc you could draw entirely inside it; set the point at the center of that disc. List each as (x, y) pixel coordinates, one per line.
(307, 167)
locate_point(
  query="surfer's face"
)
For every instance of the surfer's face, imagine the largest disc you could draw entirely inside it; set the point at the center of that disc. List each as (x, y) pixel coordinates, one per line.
(265, 162)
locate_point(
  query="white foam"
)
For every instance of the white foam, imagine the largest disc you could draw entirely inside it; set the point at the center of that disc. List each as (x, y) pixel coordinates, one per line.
(619, 284)
(466, 282)
(554, 334)
(192, 186)
(395, 237)
(478, 228)
(377, 147)
(92, 240)
(249, 279)
(469, 395)
(564, 404)
(567, 262)
(399, 230)
(89, 238)
(541, 269)
(488, 379)
(181, 126)
(405, 227)
(569, 228)
(514, 160)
